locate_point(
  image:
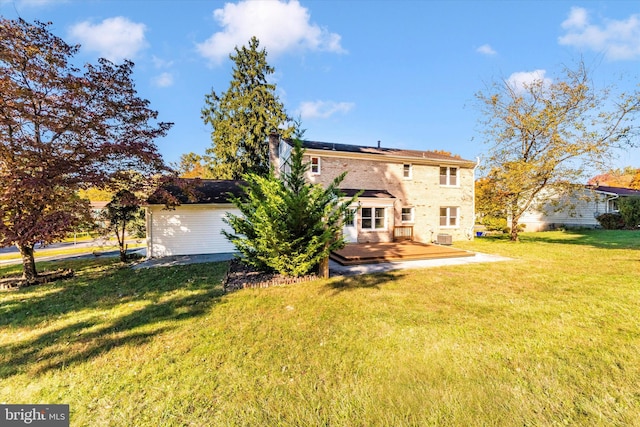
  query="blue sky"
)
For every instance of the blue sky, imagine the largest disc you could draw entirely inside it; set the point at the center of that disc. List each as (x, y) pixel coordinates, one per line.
(356, 72)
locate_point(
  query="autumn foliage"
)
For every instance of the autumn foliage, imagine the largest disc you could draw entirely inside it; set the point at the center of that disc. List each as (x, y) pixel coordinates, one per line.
(62, 129)
(543, 135)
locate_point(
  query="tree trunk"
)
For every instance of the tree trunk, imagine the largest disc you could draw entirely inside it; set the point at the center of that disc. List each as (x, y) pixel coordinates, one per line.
(514, 230)
(29, 272)
(121, 245)
(515, 217)
(323, 268)
(123, 253)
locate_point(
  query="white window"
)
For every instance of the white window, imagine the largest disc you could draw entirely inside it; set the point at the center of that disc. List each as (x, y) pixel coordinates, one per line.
(448, 176)
(407, 171)
(373, 218)
(350, 218)
(315, 165)
(284, 154)
(407, 215)
(449, 216)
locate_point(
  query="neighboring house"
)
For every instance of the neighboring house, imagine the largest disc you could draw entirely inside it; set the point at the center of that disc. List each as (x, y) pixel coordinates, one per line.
(194, 227)
(578, 210)
(97, 209)
(406, 193)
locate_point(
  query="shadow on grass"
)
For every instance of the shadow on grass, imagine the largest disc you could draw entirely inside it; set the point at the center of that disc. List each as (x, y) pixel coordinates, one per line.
(375, 281)
(603, 239)
(161, 291)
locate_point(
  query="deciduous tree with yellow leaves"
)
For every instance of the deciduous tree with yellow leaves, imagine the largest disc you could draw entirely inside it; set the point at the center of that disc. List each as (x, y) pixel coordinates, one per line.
(544, 135)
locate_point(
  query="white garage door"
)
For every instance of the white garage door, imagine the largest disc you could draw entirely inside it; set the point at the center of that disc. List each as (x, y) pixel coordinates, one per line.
(188, 230)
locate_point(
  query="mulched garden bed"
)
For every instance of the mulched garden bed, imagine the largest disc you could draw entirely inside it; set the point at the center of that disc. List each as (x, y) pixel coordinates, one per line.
(16, 282)
(241, 276)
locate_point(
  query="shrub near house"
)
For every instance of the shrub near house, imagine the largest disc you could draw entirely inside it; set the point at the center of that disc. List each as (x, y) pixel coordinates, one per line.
(628, 215)
(288, 225)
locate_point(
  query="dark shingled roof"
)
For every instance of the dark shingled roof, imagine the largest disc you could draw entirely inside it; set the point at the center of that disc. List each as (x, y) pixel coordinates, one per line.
(204, 190)
(346, 148)
(217, 191)
(378, 194)
(618, 190)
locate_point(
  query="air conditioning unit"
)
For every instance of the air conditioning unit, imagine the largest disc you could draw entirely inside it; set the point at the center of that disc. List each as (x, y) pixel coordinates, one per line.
(444, 239)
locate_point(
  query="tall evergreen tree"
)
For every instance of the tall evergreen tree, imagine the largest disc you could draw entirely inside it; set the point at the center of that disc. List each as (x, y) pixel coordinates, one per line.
(243, 117)
(288, 225)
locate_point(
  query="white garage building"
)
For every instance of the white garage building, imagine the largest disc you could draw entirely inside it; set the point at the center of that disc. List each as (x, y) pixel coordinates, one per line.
(194, 226)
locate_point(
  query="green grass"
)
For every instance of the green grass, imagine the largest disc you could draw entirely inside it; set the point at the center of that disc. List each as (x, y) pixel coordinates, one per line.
(549, 338)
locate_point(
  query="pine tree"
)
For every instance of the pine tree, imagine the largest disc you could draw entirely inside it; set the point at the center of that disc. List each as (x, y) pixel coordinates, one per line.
(288, 225)
(243, 117)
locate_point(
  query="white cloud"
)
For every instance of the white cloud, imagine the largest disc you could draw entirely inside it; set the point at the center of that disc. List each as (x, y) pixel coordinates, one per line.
(161, 63)
(323, 109)
(617, 39)
(486, 49)
(114, 38)
(280, 26)
(163, 80)
(521, 80)
(578, 18)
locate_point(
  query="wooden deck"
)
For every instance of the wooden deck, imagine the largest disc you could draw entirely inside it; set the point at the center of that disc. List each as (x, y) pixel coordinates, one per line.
(371, 253)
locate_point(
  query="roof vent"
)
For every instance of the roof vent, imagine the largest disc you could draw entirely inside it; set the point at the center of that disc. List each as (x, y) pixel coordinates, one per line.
(378, 144)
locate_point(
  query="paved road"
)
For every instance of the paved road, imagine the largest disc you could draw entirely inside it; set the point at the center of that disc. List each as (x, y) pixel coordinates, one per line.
(90, 246)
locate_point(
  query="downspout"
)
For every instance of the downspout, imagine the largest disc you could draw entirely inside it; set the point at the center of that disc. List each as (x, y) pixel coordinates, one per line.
(473, 199)
(147, 215)
(617, 196)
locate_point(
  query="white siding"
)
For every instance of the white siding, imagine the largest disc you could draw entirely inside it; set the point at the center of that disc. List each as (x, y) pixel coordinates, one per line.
(188, 230)
(576, 212)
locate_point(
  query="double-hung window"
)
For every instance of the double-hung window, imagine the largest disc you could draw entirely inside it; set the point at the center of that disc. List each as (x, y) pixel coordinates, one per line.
(373, 218)
(315, 165)
(448, 176)
(407, 171)
(449, 216)
(407, 215)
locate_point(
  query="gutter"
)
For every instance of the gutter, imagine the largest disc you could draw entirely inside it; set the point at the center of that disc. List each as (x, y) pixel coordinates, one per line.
(377, 156)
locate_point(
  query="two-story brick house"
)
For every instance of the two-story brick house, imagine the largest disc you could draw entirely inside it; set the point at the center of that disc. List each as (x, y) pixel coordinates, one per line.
(406, 193)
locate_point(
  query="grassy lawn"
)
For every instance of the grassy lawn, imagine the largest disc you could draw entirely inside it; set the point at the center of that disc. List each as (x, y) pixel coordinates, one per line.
(549, 338)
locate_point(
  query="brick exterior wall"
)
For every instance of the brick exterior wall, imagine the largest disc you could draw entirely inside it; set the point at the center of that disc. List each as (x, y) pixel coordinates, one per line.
(422, 192)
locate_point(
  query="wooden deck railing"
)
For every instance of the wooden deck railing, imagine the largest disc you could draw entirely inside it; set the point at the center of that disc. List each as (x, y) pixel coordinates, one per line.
(402, 232)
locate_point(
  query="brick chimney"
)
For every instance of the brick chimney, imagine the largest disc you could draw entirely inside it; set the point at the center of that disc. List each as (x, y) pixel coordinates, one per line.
(274, 153)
